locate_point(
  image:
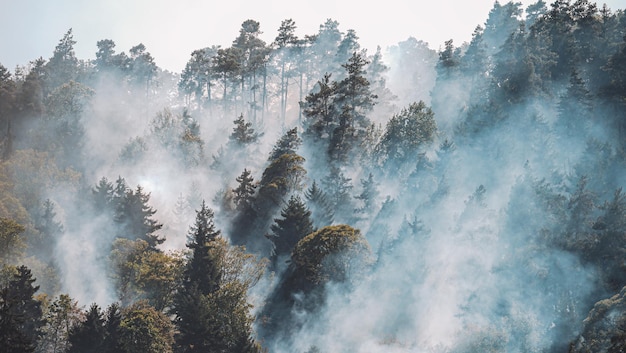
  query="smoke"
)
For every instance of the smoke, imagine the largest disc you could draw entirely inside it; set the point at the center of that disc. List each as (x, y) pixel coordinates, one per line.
(462, 231)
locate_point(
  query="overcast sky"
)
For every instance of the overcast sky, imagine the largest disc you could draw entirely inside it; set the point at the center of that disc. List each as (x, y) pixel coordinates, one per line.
(172, 30)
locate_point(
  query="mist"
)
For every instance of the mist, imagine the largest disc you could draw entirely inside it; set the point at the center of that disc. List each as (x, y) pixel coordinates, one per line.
(475, 190)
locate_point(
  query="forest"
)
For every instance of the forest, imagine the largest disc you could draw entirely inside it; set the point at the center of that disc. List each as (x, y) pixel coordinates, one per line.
(309, 196)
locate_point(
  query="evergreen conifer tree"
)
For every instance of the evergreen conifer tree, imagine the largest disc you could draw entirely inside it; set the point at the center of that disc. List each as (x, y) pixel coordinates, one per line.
(244, 193)
(294, 225)
(135, 216)
(322, 213)
(88, 336)
(20, 313)
(203, 270)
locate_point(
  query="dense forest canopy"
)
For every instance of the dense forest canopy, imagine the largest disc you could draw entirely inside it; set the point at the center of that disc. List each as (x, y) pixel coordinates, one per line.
(306, 195)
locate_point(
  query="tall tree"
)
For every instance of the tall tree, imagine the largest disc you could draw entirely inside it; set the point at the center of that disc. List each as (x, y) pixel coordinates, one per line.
(227, 67)
(368, 196)
(319, 110)
(287, 231)
(135, 216)
(113, 320)
(211, 310)
(143, 329)
(354, 93)
(347, 47)
(102, 195)
(285, 42)
(107, 61)
(197, 78)
(88, 335)
(142, 67)
(244, 192)
(287, 144)
(60, 317)
(63, 65)
(12, 243)
(324, 46)
(202, 270)
(48, 227)
(252, 54)
(65, 107)
(405, 133)
(501, 22)
(355, 100)
(243, 133)
(322, 213)
(20, 313)
(8, 110)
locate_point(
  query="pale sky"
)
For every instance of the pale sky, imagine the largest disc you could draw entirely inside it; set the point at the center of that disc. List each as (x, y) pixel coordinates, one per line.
(171, 30)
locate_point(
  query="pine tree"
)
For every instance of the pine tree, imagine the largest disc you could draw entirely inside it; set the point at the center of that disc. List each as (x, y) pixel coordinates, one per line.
(368, 195)
(294, 225)
(339, 189)
(285, 42)
(354, 100)
(20, 313)
(102, 195)
(321, 208)
(287, 144)
(88, 336)
(319, 110)
(135, 216)
(113, 319)
(349, 45)
(575, 107)
(243, 133)
(210, 308)
(49, 228)
(354, 93)
(244, 192)
(203, 267)
(63, 65)
(405, 133)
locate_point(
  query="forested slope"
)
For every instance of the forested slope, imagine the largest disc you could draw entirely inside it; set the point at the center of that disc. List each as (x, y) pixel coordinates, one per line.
(306, 195)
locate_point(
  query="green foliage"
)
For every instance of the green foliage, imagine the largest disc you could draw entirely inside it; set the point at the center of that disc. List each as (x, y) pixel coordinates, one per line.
(196, 79)
(287, 144)
(294, 225)
(319, 109)
(405, 133)
(134, 215)
(322, 213)
(20, 313)
(141, 65)
(60, 317)
(12, 243)
(203, 267)
(88, 335)
(243, 133)
(210, 308)
(332, 253)
(603, 328)
(34, 172)
(63, 65)
(368, 195)
(145, 329)
(243, 194)
(142, 274)
(283, 176)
